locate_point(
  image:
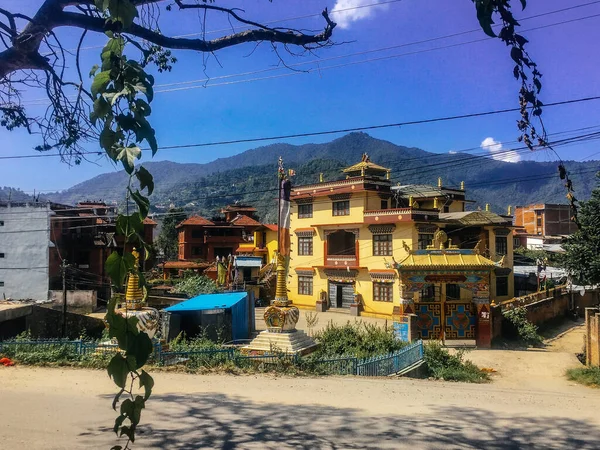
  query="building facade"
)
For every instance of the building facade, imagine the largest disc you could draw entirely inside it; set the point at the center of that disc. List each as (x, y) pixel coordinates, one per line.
(24, 250)
(353, 241)
(545, 219)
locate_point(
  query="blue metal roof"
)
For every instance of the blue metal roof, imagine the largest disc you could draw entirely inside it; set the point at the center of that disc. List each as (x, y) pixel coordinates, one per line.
(209, 301)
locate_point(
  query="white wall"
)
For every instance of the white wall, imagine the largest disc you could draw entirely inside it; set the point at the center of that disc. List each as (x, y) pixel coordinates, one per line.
(25, 241)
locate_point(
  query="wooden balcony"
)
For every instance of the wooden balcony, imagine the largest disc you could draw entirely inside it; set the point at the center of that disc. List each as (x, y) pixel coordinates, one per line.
(341, 261)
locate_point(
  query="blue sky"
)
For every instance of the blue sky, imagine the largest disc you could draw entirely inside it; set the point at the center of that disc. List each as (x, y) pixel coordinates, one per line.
(428, 83)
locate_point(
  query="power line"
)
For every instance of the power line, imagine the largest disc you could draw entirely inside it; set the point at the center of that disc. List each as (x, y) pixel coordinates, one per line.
(328, 132)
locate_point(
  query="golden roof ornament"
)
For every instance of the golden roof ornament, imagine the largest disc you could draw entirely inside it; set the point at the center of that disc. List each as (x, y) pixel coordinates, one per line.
(134, 295)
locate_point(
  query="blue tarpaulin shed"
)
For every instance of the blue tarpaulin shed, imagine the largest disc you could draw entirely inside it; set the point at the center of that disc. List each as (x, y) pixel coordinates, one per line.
(231, 311)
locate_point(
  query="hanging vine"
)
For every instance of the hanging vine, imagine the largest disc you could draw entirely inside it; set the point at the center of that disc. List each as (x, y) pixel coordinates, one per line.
(122, 93)
(527, 73)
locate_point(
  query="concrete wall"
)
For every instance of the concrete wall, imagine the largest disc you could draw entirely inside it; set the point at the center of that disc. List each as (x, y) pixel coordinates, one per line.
(47, 323)
(82, 302)
(592, 337)
(25, 242)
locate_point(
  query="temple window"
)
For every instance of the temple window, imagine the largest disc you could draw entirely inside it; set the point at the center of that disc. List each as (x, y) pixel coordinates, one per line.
(305, 211)
(383, 292)
(196, 251)
(501, 286)
(382, 245)
(341, 243)
(384, 204)
(305, 246)
(501, 245)
(1, 255)
(453, 292)
(341, 208)
(197, 234)
(305, 285)
(425, 240)
(428, 293)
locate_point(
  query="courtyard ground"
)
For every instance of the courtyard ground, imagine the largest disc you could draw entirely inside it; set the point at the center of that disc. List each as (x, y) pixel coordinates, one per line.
(55, 409)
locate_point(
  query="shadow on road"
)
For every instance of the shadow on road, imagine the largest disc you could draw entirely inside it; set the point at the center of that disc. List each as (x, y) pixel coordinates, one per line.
(227, 423)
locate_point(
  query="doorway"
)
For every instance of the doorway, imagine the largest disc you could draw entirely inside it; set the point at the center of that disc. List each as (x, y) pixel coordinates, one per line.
(341, 295)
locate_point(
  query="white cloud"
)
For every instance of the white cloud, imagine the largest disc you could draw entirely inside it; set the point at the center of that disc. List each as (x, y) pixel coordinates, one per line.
(452, 152)
(498, 152)
(345, 12)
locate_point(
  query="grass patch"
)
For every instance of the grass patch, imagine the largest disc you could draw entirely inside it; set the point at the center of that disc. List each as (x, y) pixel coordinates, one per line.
(442, 365)
(589, 376)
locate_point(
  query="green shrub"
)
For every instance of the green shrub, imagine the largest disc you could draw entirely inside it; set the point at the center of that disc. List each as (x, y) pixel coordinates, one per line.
(195, 285)
(590, 376)
(357, 339)
(444, 366)
(526, 331)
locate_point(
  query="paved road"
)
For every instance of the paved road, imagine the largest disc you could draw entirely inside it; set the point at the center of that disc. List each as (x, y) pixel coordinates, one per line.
(69, 409)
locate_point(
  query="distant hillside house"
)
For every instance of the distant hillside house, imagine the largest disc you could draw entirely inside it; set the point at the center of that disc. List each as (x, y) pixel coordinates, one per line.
(204, 239)
(543, 226)
(411, 252)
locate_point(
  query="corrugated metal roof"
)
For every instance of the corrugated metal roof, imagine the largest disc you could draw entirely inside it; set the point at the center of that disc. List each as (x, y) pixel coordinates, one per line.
(476, 218)
(209, 301)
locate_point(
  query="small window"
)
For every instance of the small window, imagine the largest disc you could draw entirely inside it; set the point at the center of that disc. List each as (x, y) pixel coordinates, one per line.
(382, 245)
(446, 209)
(453, 292)
(305, 285)
(305, 211)
(425, 240)
(501, 286)
(501, 245)
(197, 234)
(1, 223)
(341, 208)
(428, 293)
(384, 204)
(1, 283)
(1, 255)
(516, 242)
(196, 251)
(305, 246)
(383, 292)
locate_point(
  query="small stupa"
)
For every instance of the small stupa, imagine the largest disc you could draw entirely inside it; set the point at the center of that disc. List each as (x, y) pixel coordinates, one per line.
(281, 317)
(135, 305)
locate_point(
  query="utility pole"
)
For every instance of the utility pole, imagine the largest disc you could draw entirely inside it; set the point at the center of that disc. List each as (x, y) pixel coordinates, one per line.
(63, 270)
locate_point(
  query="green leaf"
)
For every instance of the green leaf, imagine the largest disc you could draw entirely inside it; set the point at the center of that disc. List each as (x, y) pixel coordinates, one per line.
(118, 266)
(142, 107)
(145, 178)
(118, 422)
(101, 109)
(117, 369)
(128, 155)
(141, 348)
(146, 382)
(100, 82)
(145, 87)
(117, 325)
(138, 404)
(142, 202)
(123, 11)
(101, 4)
(129, 432)
(93, 70)
(129, 225)
(132, 325)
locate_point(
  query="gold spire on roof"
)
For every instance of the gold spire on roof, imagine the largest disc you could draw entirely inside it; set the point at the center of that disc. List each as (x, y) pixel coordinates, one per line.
(365, 163)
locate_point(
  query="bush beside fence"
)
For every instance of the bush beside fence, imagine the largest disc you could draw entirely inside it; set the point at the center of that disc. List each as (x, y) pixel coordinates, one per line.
(93, 353)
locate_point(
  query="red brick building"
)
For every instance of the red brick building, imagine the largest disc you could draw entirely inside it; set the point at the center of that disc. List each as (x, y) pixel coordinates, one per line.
(545, 219)
(204, 239)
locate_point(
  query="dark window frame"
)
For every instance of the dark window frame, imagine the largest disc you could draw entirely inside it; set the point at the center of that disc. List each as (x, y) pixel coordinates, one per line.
(422, 242)
(383, 292)
(305, 285)
(427, 294)
(305, 246)
(501, 245)
(381, 246)
(455, 295)
(504, 285)
(340, 208)
(308, 211)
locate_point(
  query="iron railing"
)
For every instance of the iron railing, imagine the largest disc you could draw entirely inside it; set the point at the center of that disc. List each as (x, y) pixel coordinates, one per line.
(381, 366)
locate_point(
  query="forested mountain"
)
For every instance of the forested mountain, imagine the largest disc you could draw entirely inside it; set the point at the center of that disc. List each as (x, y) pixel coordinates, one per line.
(204, 188)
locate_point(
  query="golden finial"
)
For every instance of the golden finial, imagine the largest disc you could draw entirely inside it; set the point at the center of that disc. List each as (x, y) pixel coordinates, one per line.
(321, 177)
(510, 210)
(487, 206)
(134, 295)
(439, 182)
(462, 185)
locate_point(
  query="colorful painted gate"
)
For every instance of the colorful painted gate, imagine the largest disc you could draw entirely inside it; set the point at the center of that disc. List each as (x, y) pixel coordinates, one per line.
(446, 320)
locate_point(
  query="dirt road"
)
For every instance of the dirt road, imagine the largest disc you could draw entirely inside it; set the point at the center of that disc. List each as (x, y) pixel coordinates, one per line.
(70, 409)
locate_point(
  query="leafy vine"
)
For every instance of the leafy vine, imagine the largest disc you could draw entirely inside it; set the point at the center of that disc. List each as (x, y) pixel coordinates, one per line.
(118, 88)
(527, 73)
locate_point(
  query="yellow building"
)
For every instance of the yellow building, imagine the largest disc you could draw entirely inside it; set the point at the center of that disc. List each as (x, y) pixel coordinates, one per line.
(361, 243)
(264, 244)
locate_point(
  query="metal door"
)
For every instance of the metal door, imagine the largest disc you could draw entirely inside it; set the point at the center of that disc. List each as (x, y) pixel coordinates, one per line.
(347, 295)
(341, 295)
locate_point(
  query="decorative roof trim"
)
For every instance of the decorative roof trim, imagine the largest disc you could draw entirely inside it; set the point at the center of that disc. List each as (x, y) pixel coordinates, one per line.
(427, 228)
(383, 275)
(306, 271)
(336, 197)
(305, 232)
(501, 231)
(382, 229)
(341, 275)
(304, 201)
